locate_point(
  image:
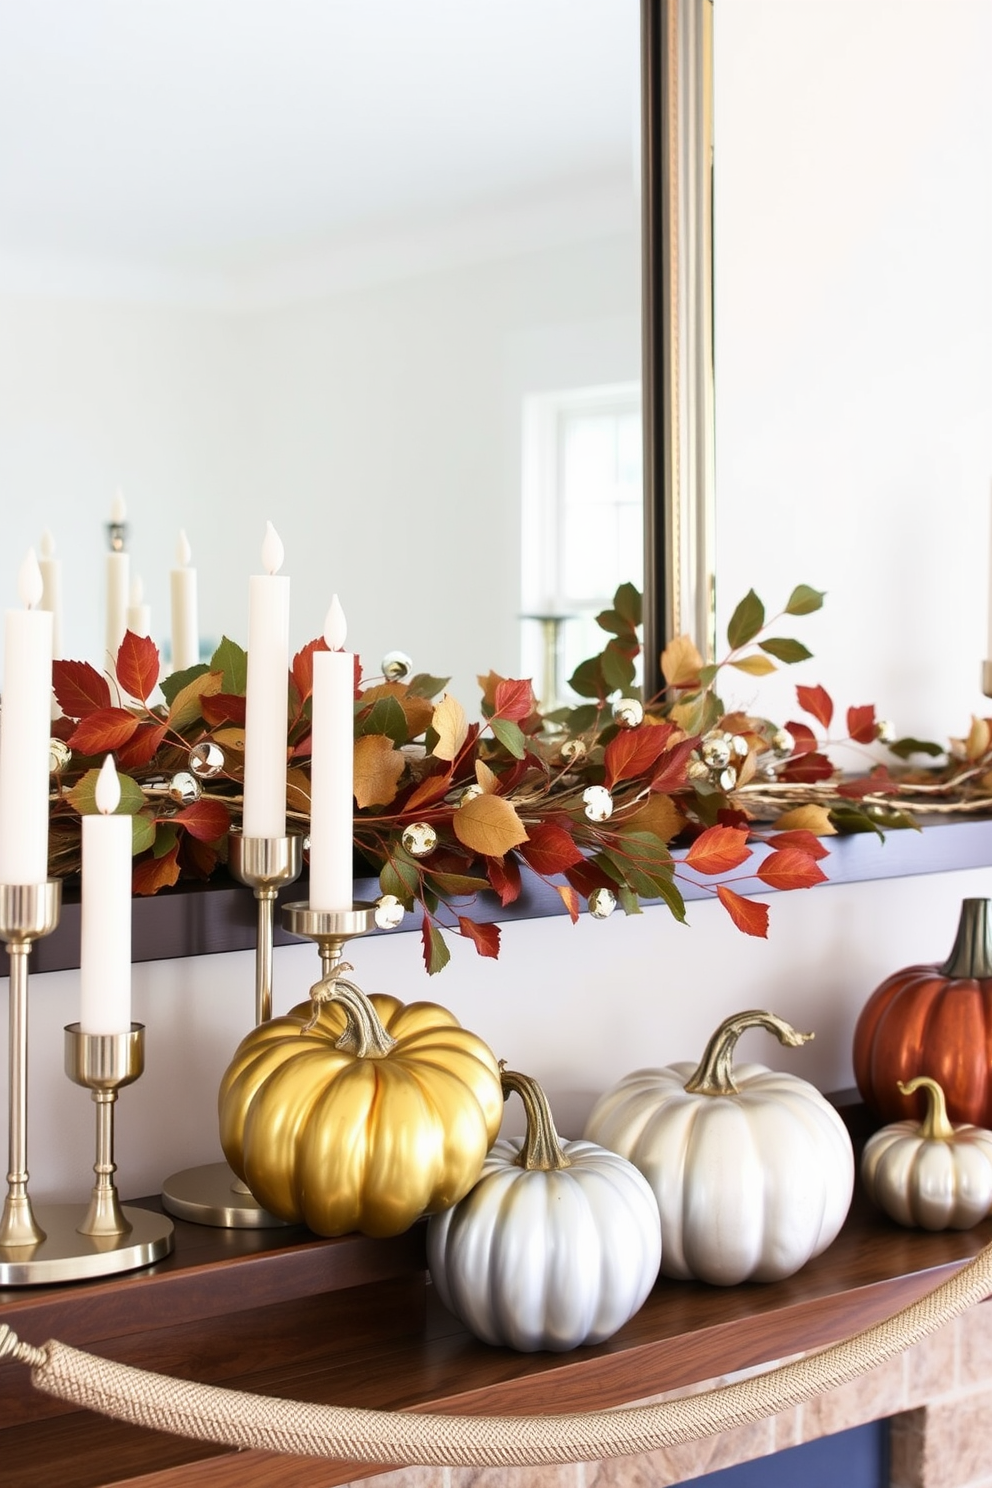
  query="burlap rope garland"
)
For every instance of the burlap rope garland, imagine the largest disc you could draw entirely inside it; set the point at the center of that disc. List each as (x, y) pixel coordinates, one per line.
(236, 1419)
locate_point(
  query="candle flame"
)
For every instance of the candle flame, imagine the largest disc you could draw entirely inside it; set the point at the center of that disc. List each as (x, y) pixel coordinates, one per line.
(47, 544)
(137, 590)
(108, 788)
(272, 550)
(118, 508)
(335, 626)
(29, 585)
(183, 550)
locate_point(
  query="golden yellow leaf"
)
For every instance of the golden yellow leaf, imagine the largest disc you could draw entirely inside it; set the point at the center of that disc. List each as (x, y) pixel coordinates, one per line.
(747, 767)
(979, 737)
(488, 825)
(485, 777)
(659, 815)
(810, 818)
(186, 703)
(298, 790)
(231, 738)
(757, 665)
(378, 767)
(680, 662)
(450, 724)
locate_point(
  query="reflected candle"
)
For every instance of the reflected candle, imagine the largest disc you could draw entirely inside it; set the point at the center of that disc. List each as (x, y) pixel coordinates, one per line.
(51, 589)
(332, 769)
(118, 581)
(25, 730)
(139, 615)
(267, 701)
(105, 945)
(185, 623)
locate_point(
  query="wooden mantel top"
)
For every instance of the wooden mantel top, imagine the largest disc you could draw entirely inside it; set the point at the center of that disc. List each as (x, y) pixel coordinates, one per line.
(352, 1321)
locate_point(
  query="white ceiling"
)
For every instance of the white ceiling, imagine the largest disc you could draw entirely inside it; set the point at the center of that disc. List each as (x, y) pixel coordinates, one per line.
(205, 139)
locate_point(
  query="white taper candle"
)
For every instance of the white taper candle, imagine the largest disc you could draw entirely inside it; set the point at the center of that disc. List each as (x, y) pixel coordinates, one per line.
(118, 584)
(51, 589)
(25, 730)
(139, 615)
(105, 946)
(266, 709)
(185, 623)
(332, 769)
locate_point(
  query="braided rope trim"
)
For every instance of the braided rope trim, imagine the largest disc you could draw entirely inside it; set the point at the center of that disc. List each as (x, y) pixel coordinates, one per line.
(236, 1419)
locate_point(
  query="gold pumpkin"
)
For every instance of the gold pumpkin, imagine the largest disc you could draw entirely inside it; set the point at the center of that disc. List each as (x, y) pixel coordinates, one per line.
(362, 1115)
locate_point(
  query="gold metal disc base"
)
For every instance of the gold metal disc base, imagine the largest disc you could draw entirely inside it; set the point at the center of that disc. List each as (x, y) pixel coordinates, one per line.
(208, 1196)
(66, 1255)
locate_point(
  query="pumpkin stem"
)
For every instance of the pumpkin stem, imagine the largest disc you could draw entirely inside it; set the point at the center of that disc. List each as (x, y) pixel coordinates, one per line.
(364, 1034)
(935, 1126)
(542, 1145)
(714, 1074)
(971, 954)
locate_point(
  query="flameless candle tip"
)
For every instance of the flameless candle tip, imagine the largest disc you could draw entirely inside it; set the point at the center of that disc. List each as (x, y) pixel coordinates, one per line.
(272, 550)
(335, 626)
(47, 544)
(183, 550)
(118, 509)
(29, 584)
(108, 788)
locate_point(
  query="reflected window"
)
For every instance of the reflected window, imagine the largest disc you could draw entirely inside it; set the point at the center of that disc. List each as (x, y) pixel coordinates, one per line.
(582, 525)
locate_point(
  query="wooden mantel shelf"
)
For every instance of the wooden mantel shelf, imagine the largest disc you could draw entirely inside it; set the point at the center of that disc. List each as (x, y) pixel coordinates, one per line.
(352, 1321)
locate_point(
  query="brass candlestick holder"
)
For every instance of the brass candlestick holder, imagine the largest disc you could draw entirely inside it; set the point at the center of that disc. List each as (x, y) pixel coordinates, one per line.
(330, 929)
(211, 1194)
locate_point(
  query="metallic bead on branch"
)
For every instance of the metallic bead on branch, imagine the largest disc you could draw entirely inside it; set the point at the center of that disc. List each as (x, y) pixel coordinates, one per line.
(698, 770)
(396, 666)
(573, 751)
(602, 903)
(184, 788)
(469, 793)
(740, 746)
(716, 750)
(206, 760)
(389, 912)
(885, 731)
(628, 713)
(727, 779)
(783, 743)
(419, 839)
(598, 803)
(59, 755)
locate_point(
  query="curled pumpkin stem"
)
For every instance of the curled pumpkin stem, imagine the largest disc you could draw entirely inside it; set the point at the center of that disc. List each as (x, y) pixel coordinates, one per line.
(542, 1149)
(714, 1075)
(364, 1034)
(935, 1126)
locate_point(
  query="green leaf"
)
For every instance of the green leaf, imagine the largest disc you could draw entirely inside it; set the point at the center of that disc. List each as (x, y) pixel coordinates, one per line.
(400, 876)
(707, 674)
(510, 735)
(628, 901)
(232, 660)
(803, 600)
(623, 872)
(905, 747)
(892, 817)
(83, 795)
(627, 603)
(618, 670)
(670, 893)
(785, 649)
(436, 953)
(173, 685)
(746, 621)
(579, 720)
(458, 883)
(166, 837)
(588, 680)
(614, 622)
(854, 819)
(385, 716)
(423, 685)
(143, 833)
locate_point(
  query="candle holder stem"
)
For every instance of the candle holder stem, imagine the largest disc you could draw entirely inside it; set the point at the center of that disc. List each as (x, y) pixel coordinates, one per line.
(104, 1063)
(104, 1215)
(329, 929)
(264, 947)
(265, 865)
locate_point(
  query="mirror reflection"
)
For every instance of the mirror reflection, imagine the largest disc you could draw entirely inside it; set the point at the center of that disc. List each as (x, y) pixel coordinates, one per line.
(367, 268)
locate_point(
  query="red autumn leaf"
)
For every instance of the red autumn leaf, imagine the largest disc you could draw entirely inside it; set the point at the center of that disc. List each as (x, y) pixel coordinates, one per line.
(103, 731)
(138, 665)
(877, 782)
(816, 700)
(718, 849)
(674, 765)
(570, 899)
(514, 700)
(587, 876)
(861, 724)
(504, 875)
(634, 752)
(223, 707)
(207, 820)
(486, 937)
(803, 738)
(142, 746)
(729, 816)
(790, 869)
(196, 859)
(302, 668)
(747, 914)
(806, 842)
(430, 790)
(549, 849)
(79, 688)
(805, 769)
(152, 874)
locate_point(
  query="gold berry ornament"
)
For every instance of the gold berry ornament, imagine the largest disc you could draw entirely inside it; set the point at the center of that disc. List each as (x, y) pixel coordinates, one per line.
(361, 1115)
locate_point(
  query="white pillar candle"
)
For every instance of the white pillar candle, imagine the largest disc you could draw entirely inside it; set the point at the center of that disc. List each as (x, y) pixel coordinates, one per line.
(118, 583)
(266, 707)
(105, 946)
(332, 769)
(25, 730)
(139, 615)
(51, 589)
(185, 625)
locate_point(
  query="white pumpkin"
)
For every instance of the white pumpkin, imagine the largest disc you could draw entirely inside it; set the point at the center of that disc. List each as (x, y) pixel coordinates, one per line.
(557, 1244)
(930, 1174)
(753, 1170)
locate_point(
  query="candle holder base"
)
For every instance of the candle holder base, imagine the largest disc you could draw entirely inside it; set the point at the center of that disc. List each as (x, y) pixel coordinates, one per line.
(213, 1195)
(67, 1255)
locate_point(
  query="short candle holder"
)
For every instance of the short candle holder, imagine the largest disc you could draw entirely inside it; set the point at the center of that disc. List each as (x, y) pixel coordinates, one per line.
(330, 929)
(211, 1194)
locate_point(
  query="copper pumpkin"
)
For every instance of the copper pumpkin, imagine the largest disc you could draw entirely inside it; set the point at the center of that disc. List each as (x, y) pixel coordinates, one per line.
(934, 1021)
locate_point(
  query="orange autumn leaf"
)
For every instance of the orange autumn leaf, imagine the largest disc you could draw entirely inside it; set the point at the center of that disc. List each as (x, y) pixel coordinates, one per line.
(806, 842)
(718, 850)
(861, 725)
(570, 899)
(378, 767)
(137, 665)
(816, 700)
(790, 869)
(488, 825)
(103, 731)
(812, 818)
(152, 874)
(747, 914)
(484, 937)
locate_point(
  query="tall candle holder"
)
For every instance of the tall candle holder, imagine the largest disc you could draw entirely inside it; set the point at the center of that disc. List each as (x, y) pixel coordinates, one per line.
(211, 1194)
